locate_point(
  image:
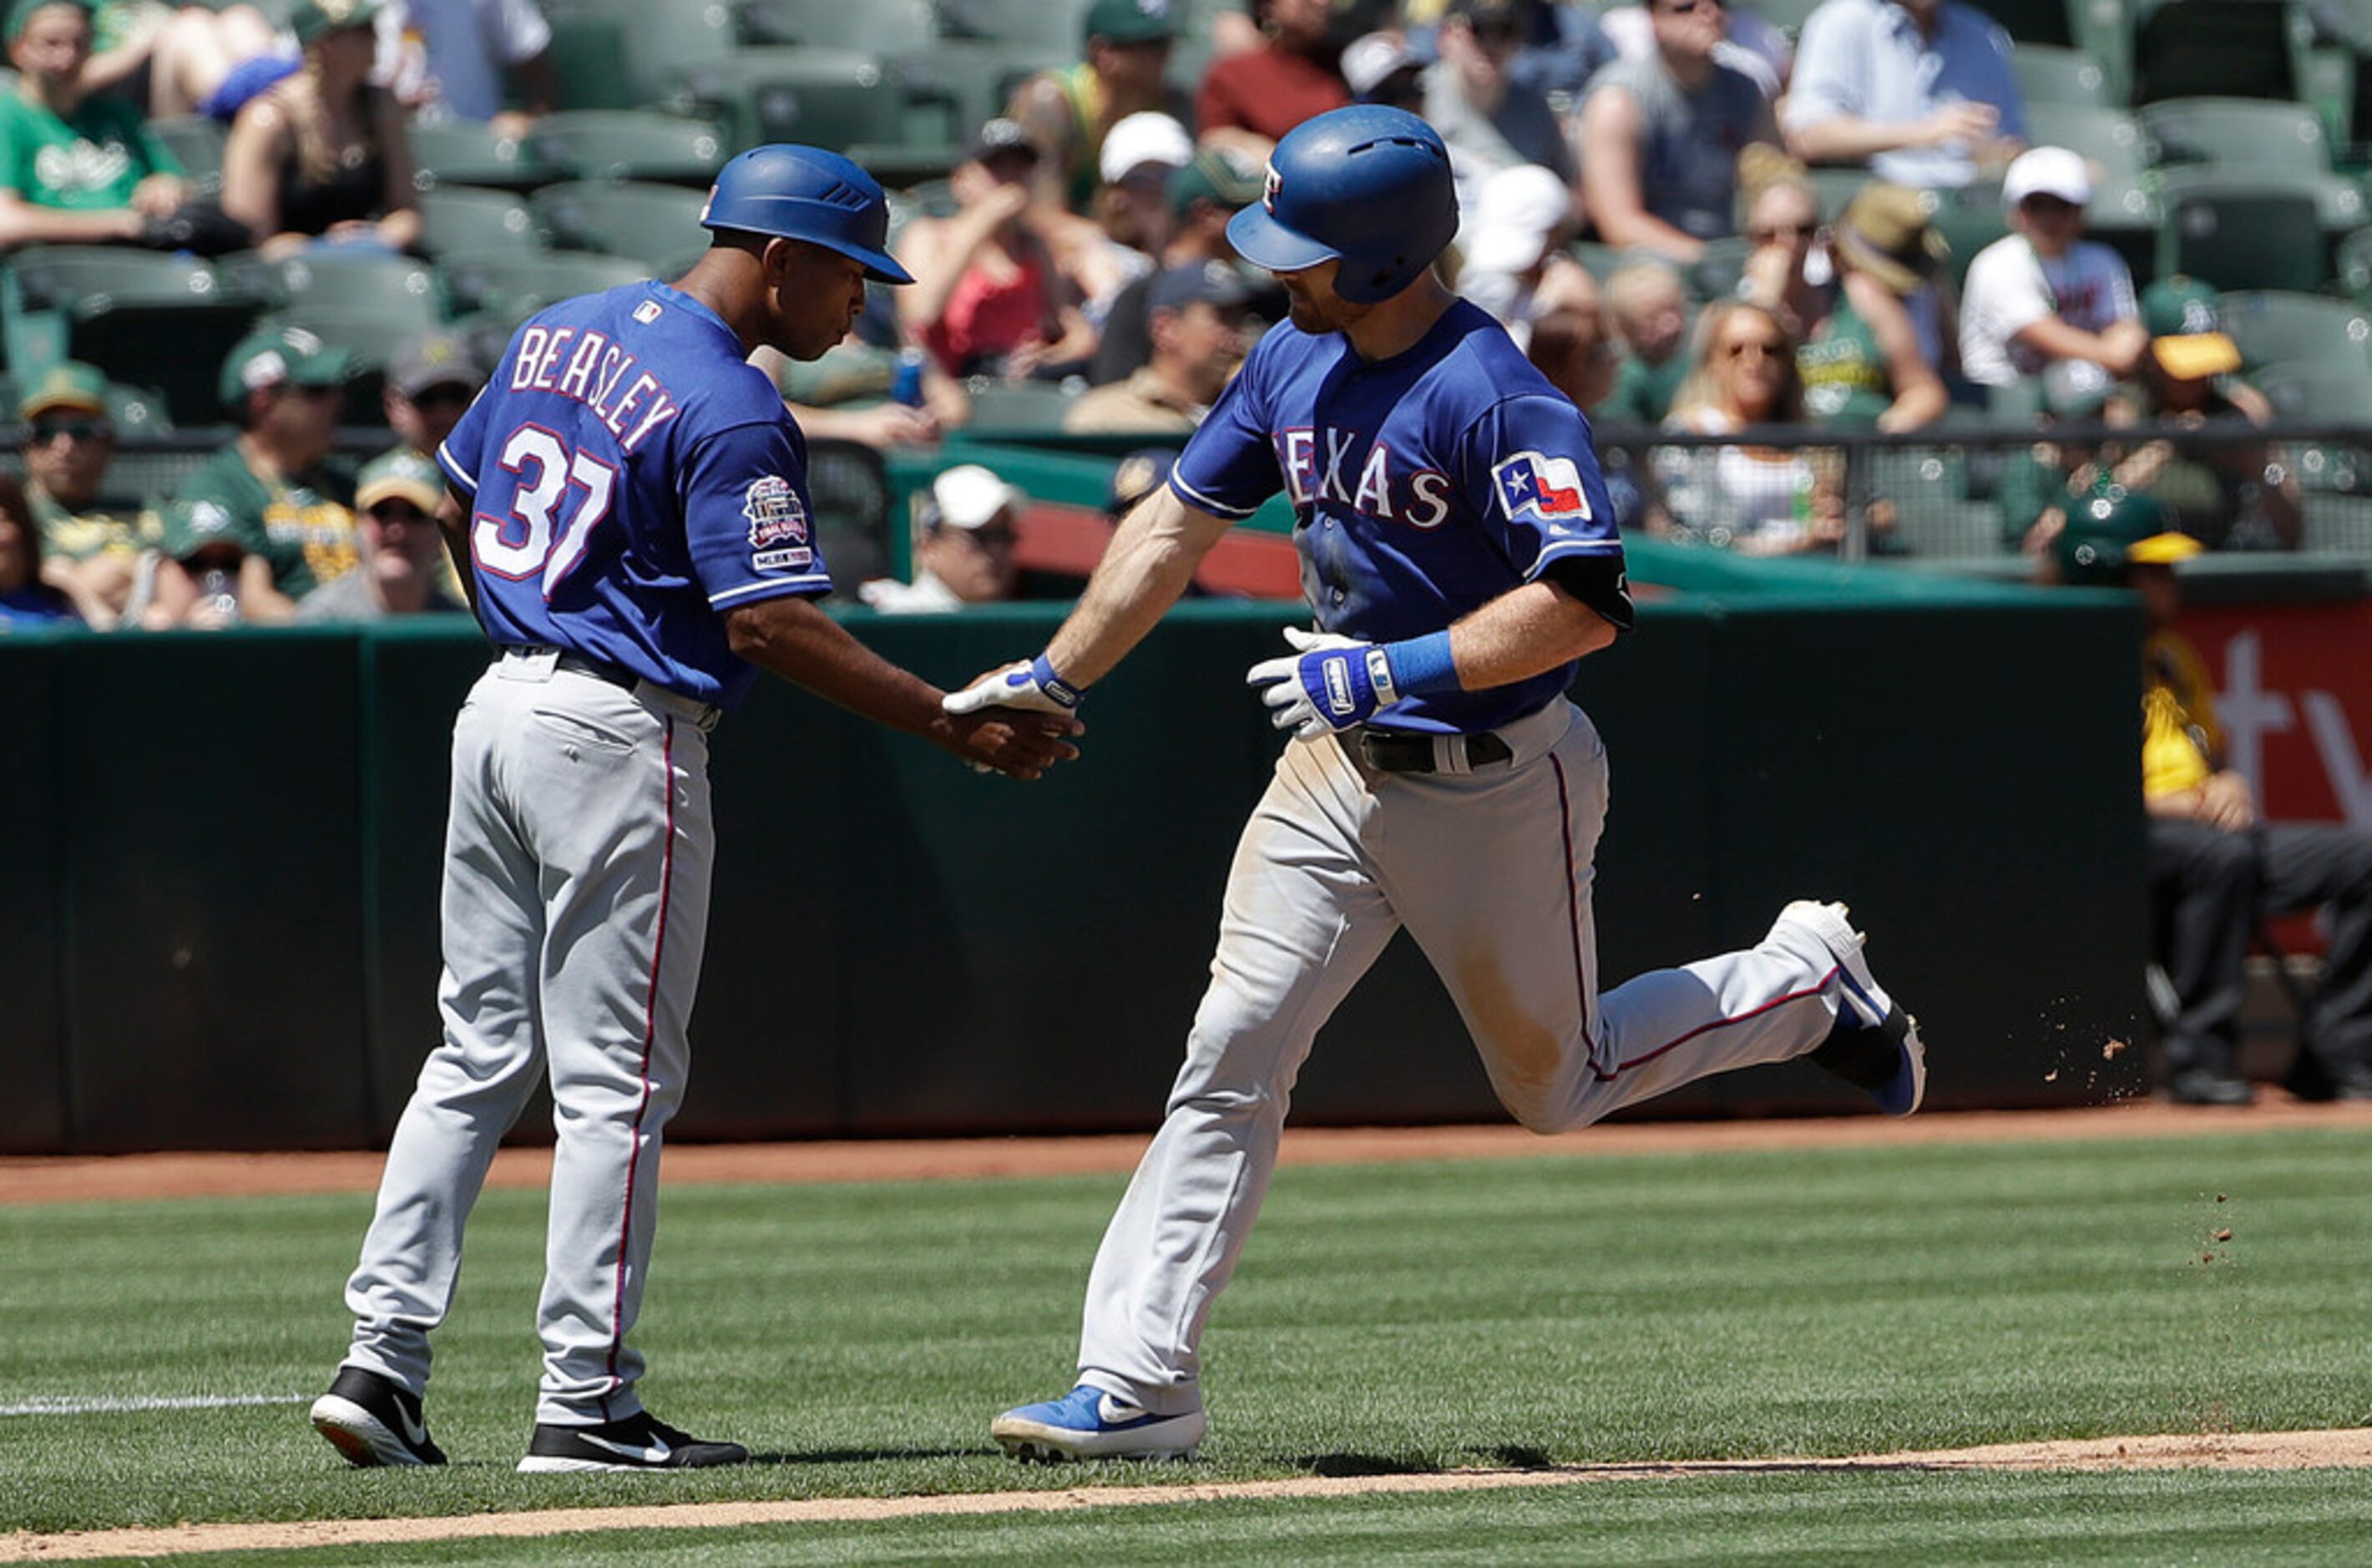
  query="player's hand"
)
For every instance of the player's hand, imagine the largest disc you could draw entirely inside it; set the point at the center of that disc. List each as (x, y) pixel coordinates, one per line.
(1331, 683)
(1030, 685)
(1019, 744)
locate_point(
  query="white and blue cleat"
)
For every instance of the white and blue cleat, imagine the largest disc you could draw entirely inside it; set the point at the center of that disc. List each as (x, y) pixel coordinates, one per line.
(1088, 1424)
(1875, 1045)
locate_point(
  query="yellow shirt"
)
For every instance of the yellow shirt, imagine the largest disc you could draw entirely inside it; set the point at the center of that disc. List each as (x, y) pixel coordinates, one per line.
(2179, 734)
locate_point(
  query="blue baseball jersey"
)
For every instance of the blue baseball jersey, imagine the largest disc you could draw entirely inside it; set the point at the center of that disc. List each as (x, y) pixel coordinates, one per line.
(631, 478)
(1425, 486)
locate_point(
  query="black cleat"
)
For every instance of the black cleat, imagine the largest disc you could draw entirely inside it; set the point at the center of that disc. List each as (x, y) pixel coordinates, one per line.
(638, 1443)
(372, 1421)
(2205, 1085)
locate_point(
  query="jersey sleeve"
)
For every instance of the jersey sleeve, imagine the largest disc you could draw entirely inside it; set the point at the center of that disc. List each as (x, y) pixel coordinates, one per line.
(748, 519)
(1526, 469)
(1229, 465)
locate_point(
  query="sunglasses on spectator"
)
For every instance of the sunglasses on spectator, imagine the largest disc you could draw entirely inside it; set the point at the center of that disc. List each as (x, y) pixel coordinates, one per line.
(1771, 234)
(449, 394)
(1690, 8)
(1768, 348)
(996, 536)
(80, 430)
(398, 511)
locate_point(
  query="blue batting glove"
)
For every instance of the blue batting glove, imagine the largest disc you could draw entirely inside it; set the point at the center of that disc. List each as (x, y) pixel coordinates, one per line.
(1331, 684)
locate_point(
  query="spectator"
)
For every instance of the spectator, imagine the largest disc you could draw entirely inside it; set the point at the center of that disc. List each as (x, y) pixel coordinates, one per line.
(26, 599)
(1486, 119)
(1511, 263)
(190, 52)
(2218, 869)
(987, 299)
(1921, 90)
(76, 167)
(1756, 500)
(1575, 348)
(1198, 317)
(430, 383)
(1067, 113)
(323, 153)
(1132, 212)
(2227, 496)
(1649, 311)
(1860, 352)
(2042, 484)
(267, 510)
(965, 555)
(2044, 295)
(1787, 272)
(1378, 67)
(1136, 476)
(1203, 196)
(1563, 45)
(1660, 137)
(402, 569)
(90, 553)
(459, 59)
(852, 393)
(1248, 100)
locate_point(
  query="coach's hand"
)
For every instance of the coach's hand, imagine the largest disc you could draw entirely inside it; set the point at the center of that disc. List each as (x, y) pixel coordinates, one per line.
(1030, 685)
(1007, 740)
(1332, 683)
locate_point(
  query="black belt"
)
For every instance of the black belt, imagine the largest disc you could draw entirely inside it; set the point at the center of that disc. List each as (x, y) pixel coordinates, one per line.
(1390, 752)
(577, 664)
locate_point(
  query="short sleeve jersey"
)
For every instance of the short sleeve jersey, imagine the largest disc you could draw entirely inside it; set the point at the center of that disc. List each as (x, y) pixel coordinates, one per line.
(1423, 486)
(89, 162)
(302, 524)
(631, 478)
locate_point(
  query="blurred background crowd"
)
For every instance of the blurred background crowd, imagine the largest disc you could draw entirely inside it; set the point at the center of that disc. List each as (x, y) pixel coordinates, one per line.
(1917, 278)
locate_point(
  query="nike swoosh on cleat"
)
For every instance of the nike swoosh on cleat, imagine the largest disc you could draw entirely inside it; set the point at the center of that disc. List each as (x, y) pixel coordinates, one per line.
(656, 1454)
(415, 1432)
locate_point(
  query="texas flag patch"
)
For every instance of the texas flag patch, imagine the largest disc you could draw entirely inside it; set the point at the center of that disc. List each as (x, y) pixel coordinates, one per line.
(1536, 487)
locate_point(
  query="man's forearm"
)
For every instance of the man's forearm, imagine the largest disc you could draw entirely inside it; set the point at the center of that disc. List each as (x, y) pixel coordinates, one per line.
(797, 641)
(1848, 138)
(1525, 631)
(1146, 566)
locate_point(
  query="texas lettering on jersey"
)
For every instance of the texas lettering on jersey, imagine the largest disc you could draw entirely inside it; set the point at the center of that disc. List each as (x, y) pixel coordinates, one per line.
(1419, 497)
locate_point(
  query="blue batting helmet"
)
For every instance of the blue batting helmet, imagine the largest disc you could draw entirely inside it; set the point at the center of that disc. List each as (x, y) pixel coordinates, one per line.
(1369, 185)
(808, 194)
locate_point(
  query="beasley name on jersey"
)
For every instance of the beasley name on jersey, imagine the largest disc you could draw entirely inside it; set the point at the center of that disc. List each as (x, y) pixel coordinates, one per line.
(631, 477)
(1426, 485)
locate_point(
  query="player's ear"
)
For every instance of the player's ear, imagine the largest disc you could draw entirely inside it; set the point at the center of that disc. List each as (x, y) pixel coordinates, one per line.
(777, 258)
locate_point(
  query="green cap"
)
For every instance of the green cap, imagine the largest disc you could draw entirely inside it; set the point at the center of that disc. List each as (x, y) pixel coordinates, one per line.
(201, 527)
(68, 384)
(2179, 307)
(22, 12)
(402, 475)
(2110, 531)
(1130, 21)
(314, 19)
(1221, 176)
(285, 354)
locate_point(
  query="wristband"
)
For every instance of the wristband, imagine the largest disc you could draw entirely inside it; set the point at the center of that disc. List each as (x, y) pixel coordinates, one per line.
(1053, 685)
(1423, 665)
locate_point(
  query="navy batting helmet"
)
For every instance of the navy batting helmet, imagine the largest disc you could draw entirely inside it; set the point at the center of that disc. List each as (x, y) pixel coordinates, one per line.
(808, 194)
(1369, 185)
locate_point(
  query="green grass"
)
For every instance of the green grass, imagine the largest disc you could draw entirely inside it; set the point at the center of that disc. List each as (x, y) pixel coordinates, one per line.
(1387, 1317)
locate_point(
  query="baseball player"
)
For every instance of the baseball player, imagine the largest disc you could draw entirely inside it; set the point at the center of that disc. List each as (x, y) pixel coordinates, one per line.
(629, 501)
(1458, 550)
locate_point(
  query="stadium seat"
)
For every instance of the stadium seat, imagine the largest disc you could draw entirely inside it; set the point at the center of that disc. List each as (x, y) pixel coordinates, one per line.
(2352, 264)
(2273, 327)
(54, 296)
(508, 287)
(461, 152)
(173, 344)
(2031, 22)
(196, 144)
(2238, 234)
(465, 217)
(2236, 130)
(1787, 16)
(2054, 75)
(876, 26)
(1014, 406)
(976, 76)
(657, 225)
(2233, 47)
(1967, 219)
(1933, 516)
(1715, 275)
(2336, 523)
(850, 103)
(590, 61)
(2319, 394)
(1834, 185)
(629, 144)
(662, 38)
(399, 288)
(1051, 27)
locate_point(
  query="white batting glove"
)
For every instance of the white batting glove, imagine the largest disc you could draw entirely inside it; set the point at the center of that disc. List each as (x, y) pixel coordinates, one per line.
(1032, 686)
(1332, 683)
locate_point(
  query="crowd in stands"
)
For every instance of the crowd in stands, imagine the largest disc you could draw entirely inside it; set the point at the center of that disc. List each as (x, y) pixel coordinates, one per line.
(1700, 219)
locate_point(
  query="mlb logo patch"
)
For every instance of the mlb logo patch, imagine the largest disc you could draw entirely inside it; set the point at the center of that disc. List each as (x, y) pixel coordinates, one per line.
(774, 513)
(1534, 486)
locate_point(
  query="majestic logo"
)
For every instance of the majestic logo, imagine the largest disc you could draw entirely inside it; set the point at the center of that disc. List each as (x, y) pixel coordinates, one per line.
(1268, 193)
(1541, 488)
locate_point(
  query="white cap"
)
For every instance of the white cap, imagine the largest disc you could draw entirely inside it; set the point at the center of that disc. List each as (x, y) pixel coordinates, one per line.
(2048, 171)
(1147, 137)
(969, 496)
(1519, 207)
(1367, 61)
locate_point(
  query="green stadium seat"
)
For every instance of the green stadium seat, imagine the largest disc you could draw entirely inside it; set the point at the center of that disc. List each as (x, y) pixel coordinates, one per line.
(876, 26)
(2322, 394)
(2031, 22)
(460, 152)
(467, 217)
(1834, 185)
(95, 303)
(657, 225)
(1053, 27)
(850, 103)
(1018, 407)
(629, 144)
(2338, 199)
(507, 287)
(2055, 75)
(2237, 130)
(977, 78)
(2232, 48)
(661, 38)
(2352, 264)
(590, 62)
(399, 288)
(1787, 16)
(1969, 219)
(1715, 275)
(196, 144)
(2275, 327)
(2336, 523)
(2236, 234)
(1928, 489)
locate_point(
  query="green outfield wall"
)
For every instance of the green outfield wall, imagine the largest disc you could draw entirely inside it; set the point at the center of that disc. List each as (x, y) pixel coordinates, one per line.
(221, 889)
